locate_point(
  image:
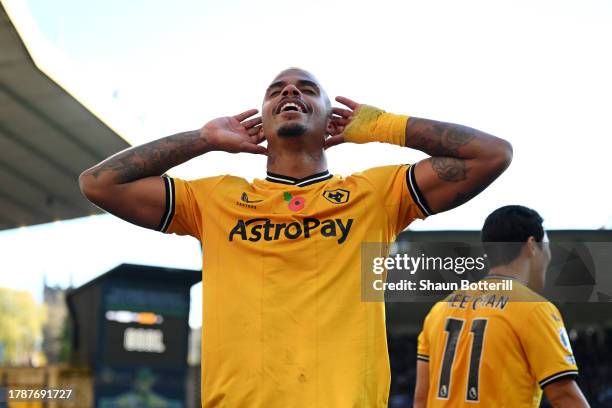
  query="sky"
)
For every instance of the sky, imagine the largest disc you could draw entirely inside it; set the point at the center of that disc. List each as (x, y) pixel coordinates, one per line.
(533, 72)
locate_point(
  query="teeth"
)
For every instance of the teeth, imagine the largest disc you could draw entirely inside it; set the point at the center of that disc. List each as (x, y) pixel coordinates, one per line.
(291, 104)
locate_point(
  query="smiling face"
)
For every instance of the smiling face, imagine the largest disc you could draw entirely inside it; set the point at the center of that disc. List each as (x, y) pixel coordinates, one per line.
(295, 106)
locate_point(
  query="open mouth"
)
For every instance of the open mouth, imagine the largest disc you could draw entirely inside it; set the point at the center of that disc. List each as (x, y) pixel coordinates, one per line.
(291, 106)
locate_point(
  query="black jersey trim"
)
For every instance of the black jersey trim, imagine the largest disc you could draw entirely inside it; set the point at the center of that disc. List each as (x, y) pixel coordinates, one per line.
(559, 376)
(315, 178)
(169, 211)
(415, 192)
(422, 357)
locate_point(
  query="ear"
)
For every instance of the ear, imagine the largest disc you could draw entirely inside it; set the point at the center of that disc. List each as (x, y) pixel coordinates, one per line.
(531, 246)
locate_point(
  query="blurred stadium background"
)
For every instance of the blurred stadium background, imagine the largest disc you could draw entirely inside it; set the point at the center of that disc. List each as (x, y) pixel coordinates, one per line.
(77, 337)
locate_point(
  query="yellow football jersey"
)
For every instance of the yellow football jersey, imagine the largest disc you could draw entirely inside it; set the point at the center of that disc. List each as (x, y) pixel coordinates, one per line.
(283, 321)
(494, 348)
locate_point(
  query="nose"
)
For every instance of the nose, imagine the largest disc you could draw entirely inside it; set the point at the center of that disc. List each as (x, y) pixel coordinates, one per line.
(290, 90)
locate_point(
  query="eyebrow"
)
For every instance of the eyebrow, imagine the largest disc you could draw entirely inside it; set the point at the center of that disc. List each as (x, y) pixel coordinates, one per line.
(302, 82)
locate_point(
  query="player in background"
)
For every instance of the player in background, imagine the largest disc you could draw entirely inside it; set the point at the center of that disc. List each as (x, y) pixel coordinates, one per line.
(500, 348)
(283, 322)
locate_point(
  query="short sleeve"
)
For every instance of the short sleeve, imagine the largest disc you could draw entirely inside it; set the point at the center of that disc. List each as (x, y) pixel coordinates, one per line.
(423, 340)
(423, 347)
(185, 202)
(547, 346)
(399, 193)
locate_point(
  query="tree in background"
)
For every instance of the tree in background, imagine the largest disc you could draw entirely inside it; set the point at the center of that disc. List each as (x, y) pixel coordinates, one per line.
(56, 330)
(21, 322)
(66, 341)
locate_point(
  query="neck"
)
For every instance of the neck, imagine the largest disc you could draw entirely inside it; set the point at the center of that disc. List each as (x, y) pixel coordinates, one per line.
(297, 163)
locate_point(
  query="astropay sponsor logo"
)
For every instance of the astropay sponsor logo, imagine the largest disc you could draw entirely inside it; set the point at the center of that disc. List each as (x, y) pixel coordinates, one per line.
(255, 229)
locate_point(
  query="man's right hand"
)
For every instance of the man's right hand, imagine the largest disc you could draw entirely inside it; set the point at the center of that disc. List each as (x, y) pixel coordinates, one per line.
(235, 134)
(129, 185)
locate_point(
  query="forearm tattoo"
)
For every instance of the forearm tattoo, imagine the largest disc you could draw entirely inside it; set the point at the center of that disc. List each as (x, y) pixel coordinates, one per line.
(150, 159)
(442, 141)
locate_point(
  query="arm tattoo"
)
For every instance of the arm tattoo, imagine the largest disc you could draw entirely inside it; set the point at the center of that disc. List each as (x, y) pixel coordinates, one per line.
(437, 138)
(442, 141)
(449, 168)
(151, 159)
(464, 161)
(463, 197)
(459, 199)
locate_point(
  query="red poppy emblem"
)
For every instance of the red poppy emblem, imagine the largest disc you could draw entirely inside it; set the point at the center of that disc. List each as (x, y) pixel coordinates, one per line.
(295, 203)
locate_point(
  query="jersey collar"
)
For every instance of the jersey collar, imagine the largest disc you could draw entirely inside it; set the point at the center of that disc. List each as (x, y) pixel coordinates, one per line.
(315, 178)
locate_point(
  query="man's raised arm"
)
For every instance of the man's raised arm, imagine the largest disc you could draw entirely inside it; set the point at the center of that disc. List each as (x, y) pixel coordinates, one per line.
(128, 184)
(463, 162)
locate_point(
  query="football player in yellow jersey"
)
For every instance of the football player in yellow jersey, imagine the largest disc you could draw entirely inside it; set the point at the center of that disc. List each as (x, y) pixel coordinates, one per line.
(500, 348)
(283, 322)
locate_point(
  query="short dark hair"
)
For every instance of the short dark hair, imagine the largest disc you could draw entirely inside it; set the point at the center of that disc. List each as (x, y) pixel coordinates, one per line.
(508, 224)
